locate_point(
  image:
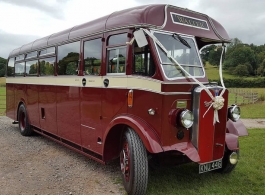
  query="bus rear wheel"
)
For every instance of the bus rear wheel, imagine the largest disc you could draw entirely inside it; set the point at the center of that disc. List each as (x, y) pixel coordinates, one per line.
(134, 163)
(23, 121)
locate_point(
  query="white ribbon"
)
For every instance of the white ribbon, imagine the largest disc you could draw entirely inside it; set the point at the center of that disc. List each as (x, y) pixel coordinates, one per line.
(218, 101)
(217, 104)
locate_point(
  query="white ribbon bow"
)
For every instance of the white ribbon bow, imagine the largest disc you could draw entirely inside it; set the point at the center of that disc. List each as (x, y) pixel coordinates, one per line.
(217, 104)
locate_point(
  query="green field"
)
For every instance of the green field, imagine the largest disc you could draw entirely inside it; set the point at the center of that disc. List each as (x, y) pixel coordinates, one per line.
(212, 72)
(2, 81)
(247, 178)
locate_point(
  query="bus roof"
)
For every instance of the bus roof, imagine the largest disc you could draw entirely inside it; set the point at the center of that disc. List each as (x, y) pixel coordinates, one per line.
(163, 17)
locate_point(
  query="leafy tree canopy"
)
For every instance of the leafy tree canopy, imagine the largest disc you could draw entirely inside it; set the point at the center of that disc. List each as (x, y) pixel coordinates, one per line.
(2, 66)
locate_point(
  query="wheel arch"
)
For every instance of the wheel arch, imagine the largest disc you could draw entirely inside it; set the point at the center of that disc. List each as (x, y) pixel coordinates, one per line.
(231, 141)
(113, 134)
(236, 128)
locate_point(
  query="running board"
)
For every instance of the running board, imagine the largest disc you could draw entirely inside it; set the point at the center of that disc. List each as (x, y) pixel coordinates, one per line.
(15, 122)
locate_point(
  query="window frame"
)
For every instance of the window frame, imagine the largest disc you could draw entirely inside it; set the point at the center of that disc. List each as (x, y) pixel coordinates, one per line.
(30, 75)
(83, 57)
(7, 65)
(54, 65)
(161, 63)
(23, 74)
(78, 65)
(107, 62)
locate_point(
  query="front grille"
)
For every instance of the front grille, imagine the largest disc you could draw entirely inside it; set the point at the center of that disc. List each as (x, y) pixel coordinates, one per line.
(205, 136)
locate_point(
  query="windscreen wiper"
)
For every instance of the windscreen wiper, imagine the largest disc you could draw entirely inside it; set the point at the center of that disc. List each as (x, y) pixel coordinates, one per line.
(183, 41)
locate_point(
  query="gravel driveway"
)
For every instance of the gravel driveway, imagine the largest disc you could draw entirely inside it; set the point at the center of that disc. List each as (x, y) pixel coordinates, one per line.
(37, 165)
(254, 123)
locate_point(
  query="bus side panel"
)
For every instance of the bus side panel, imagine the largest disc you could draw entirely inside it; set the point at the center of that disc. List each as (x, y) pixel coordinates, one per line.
(20, 96)
(142, 102)
(68, 115)
(33, 104)
(47, 108)
(10, 102)
(90, 110)
(114, 102)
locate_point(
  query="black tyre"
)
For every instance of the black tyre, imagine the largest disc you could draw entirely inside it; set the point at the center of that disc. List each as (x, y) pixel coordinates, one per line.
(134, 163)
(227, 166)
(23, 121)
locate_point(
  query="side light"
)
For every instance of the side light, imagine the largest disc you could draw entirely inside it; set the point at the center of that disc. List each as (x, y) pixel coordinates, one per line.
(234, 113)
(233, 158)
(130, 98)
(151, 111)
(186, 118)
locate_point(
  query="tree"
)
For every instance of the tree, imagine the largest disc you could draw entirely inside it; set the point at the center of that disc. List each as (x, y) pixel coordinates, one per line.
(261, 69)
(241, 70)
(2, 66)
(215, 55)
(241, 55)
(206, 51)
(235, 43)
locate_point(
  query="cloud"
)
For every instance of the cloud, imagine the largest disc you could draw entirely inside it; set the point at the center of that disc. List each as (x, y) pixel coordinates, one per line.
(53, 8)
(243, 19)
(9, 42)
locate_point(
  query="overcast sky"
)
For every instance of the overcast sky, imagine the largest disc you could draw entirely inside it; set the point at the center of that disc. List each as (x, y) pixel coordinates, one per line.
(23, 21)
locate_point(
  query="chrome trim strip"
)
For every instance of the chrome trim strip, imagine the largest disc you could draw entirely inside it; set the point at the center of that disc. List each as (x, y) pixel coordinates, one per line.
(175, 93)
(181, 83)
(88, 127)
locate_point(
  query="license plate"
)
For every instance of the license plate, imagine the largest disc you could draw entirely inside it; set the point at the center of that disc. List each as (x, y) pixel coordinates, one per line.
(205, 167)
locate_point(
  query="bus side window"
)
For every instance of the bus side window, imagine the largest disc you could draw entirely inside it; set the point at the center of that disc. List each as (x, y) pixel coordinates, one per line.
(19, 69)
(32, 68)
(68, 58)
(143, 63)
(117, 60)
(92, 57)
(10, 67)
(47, 66)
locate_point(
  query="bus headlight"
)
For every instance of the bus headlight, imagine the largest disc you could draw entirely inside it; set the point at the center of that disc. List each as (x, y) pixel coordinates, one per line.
(234, 113)
(186, 118)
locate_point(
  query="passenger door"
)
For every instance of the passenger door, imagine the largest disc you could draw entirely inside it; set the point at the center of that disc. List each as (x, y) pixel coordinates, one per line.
(90, 94)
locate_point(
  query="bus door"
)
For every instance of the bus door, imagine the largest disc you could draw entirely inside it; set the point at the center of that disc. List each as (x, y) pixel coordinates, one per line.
(90, 96)
(68, 93)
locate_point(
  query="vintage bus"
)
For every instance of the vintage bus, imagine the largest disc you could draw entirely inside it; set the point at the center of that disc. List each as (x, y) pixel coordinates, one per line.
(130, 85)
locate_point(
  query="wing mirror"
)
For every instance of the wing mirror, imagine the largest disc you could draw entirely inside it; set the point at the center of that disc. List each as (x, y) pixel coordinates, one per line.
(140, 38)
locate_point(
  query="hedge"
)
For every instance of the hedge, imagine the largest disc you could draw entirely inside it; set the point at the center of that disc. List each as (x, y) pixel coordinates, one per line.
(242, 83)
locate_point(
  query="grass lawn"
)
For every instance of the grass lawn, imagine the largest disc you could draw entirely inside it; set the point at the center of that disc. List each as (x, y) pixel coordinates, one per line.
(256, 110)
(247, 178)
(2, 81)
(212, 72)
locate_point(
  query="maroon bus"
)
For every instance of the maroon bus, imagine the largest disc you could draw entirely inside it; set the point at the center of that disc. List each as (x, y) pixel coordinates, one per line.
(130, 85)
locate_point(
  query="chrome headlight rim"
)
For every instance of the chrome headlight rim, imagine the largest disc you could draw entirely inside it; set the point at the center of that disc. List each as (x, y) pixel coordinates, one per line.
(185, 116)
(234, 113)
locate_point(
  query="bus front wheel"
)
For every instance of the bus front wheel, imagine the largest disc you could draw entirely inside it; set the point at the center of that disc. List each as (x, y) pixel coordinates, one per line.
(134, 163)
(23, 121)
